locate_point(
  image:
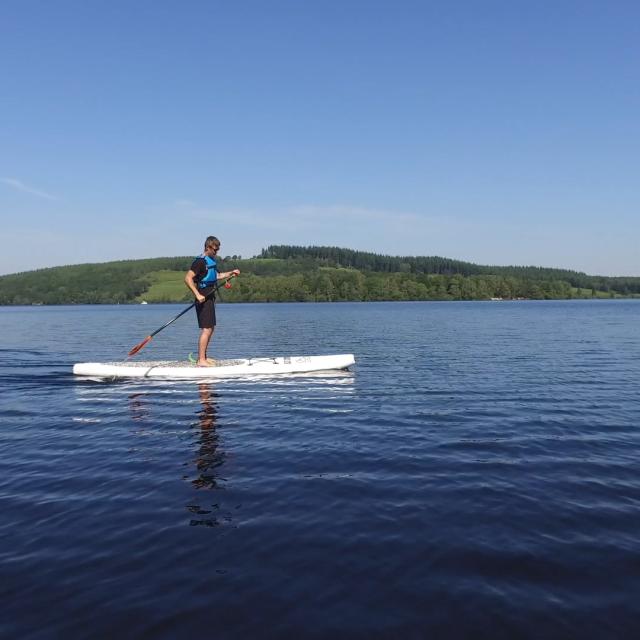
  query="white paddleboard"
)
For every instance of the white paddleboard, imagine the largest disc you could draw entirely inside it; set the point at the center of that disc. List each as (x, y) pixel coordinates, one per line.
(222, 368)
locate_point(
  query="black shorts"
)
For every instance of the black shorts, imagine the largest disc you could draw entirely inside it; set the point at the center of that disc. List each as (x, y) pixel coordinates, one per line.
(206, 311)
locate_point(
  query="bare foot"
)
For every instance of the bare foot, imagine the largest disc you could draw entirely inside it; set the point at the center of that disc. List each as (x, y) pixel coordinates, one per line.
(205, 363)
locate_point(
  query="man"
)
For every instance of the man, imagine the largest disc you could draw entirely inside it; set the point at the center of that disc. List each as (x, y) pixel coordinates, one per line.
(201, 279)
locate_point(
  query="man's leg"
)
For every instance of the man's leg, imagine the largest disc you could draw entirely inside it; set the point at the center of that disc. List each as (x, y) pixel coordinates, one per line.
(203, 343)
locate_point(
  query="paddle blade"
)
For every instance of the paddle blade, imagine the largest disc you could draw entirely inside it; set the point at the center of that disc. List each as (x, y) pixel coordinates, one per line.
(139, 346)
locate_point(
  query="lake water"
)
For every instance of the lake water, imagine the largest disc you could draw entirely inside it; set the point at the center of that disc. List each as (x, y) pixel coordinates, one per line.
(477, 475)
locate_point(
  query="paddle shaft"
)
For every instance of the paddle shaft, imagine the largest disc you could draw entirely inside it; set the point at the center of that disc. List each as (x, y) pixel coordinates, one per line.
(164, 326)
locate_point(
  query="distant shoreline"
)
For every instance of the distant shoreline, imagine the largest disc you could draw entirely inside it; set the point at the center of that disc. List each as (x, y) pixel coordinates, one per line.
(282, 302)
(309, 274)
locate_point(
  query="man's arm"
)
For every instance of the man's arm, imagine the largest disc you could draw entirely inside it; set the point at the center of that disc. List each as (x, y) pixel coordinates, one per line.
(188, 280)
(228, 274)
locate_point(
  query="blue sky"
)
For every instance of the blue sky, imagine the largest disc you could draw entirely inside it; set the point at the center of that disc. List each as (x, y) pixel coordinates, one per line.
(499, 132)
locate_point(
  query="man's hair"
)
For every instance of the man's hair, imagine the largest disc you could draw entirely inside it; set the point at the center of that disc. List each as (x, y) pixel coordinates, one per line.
(211, 242)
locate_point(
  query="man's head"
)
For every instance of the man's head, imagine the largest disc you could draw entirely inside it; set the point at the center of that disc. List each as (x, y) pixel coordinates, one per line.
(211, 245)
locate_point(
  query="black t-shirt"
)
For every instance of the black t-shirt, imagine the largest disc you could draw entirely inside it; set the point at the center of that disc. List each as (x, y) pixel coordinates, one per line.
(199, 268)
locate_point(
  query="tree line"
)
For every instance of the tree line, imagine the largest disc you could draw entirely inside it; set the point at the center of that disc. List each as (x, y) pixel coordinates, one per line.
(289, 273)
(367, 261)
(340, 284)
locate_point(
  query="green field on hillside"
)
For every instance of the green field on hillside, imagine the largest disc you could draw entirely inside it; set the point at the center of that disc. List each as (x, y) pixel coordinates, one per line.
(165, 286)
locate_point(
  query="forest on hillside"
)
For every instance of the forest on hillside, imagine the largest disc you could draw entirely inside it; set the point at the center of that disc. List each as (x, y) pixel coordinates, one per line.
(290, 273)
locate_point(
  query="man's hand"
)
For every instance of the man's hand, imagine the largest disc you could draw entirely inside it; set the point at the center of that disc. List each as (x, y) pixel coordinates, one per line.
(200, 297)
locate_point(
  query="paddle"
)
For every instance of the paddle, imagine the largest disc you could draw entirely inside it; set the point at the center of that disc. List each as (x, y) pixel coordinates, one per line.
(164, 326)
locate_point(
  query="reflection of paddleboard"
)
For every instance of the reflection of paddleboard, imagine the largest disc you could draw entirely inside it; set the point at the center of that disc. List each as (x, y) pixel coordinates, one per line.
(222, 368)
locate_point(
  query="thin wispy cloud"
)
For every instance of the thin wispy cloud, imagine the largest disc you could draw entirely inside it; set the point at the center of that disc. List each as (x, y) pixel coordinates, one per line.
(303, 215)
(343, 212)
(18, 185)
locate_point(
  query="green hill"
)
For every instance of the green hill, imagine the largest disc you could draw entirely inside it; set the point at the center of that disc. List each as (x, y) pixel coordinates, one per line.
(290, 273)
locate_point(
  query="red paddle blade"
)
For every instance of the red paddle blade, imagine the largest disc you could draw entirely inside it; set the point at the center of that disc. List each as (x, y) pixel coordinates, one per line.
(139, 346)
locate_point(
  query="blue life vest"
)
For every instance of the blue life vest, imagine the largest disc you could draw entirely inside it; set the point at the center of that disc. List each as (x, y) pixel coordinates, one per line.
(212, 274)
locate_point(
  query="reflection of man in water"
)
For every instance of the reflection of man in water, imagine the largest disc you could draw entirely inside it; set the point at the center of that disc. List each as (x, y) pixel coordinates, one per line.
(208, 456)
(138, 407)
